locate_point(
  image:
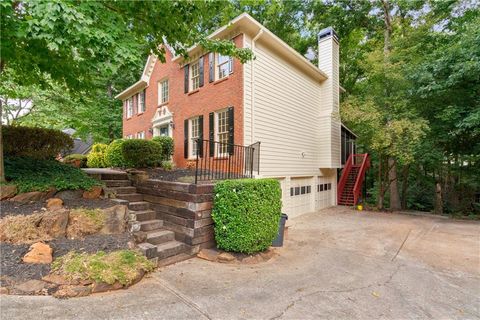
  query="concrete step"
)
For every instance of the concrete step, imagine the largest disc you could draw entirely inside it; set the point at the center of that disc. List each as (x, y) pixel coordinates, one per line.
(144, 215)
(160, 236)
(132, 197)
(170, 248)
(117, 183)
(139, 205)
(150, 225)
(124, 190)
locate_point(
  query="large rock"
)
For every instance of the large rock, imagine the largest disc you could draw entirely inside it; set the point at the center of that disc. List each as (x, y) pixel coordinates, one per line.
(29, 196)
(7, 191)
(94, 193)
(57, 279)
(225, 257)
(69, 194)
(208, 254)
(31, 286)
(102, 286)
(54, 203)
(55, 223)
(39, 253)
(115, 219)
(68, 291)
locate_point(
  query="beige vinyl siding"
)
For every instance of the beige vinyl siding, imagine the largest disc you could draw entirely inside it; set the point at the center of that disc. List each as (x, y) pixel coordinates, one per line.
(247, 97)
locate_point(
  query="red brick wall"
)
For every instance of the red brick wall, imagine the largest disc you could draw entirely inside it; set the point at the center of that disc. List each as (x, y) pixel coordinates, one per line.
(211, 97)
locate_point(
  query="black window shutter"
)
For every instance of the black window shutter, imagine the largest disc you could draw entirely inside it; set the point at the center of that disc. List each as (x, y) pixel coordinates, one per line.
(230, 65)
(185, 137)
(230, 130)
(186, 78)
(211, 64)
(200, 70)
(211, 137)
(200, 137)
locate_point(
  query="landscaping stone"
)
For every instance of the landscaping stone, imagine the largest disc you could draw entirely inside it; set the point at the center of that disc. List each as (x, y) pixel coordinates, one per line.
(208, 254)
(115, 219)
(54, 203)
(7, 191)
(39, 253)
(94, 193)
(30, 286)
(3, 290)
(102, 286)
(140, 236)
(57, 279)
(225, 257)
(257, 258)
(29, 196)
(68, 291)
(50, 193)
(70, 194)
(140, 274)
(55, 223)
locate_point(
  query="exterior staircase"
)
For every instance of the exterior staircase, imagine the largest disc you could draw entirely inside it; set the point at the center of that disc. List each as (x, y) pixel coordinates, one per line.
(349, 187)
(156, 242)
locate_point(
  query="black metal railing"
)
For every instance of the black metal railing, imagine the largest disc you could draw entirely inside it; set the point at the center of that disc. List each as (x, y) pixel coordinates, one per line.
(219, 161)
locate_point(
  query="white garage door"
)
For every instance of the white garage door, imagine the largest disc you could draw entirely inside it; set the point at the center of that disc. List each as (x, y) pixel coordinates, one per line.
(324, 193)
(301, 196)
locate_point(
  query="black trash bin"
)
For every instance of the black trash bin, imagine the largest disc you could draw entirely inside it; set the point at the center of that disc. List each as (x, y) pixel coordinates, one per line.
(278, 241)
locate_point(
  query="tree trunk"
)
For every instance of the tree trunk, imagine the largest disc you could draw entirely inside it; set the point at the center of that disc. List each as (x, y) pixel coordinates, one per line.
(405, 172)
(381, 191)
(2, 168)
(438, 198)
(393, 184)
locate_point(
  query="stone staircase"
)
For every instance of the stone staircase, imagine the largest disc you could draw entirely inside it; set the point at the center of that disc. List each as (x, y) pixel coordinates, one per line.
(153, 239)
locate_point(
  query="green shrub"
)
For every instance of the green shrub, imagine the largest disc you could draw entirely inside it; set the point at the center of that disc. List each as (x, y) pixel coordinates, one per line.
(72, 158)
(246, 213)
(168, 165)
(38, 143)
(167, 146)
(96, 157)
(114, 155)
(140, 153)
(40, 175)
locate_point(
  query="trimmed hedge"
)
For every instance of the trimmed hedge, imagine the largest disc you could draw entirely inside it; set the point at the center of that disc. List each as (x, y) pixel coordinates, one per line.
(96, 157)
(40, 175)
(114, 155)
(167, 147)
(141, 153)
(72, 158)
(246, 213)
(38, 143)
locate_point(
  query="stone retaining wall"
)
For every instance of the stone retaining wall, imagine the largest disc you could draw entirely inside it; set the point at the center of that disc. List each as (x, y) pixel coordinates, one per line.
(184, 208)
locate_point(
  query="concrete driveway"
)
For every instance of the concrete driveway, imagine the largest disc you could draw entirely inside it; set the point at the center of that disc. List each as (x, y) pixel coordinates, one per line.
(336, 263)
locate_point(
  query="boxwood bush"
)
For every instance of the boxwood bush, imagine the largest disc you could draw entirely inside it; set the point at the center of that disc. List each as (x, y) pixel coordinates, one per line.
(114, 155)
(96, 157)
(246, 213)
(140, 153)
(167, 147)
(30, 174)
(38, 143)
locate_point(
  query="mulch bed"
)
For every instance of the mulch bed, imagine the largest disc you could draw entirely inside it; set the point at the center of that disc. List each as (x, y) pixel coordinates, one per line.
(16, 208)
(12, 267)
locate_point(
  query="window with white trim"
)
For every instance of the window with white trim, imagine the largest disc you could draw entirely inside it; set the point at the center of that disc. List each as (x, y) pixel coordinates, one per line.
(193, 133)
(129, 107)
(141, 135)
(129, 136)
(222, 66)
(221, 132)
(195, 75)
(141, 102)
(163, 91)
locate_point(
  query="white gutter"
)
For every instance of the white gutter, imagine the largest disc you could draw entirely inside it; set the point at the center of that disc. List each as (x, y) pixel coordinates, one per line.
(252, 83)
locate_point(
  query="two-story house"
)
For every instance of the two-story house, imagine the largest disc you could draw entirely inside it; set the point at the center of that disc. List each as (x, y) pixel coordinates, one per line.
(280, 99)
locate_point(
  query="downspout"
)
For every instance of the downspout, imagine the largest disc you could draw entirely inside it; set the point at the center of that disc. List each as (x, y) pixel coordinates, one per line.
(252, 78)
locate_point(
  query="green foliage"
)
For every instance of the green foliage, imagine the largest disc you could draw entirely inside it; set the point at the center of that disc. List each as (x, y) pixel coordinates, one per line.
(114, 155)
(40, 175)
(246, 213)
(141, 153)
(96, 157)
(38, 143)
(167, 146)
(72, 158)
(167, 165)
(122, 266)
